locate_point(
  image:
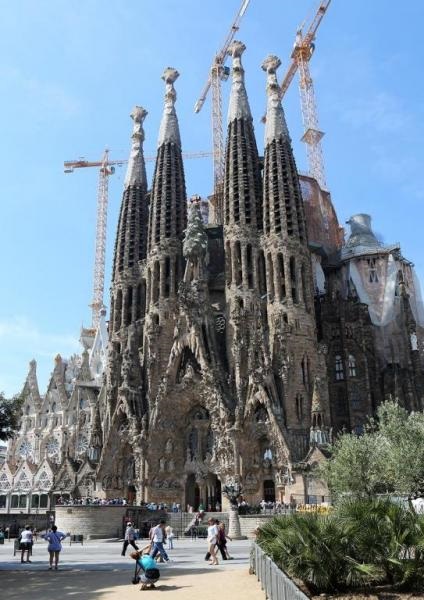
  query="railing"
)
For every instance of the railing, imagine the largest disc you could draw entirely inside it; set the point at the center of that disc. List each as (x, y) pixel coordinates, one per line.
(275, 583)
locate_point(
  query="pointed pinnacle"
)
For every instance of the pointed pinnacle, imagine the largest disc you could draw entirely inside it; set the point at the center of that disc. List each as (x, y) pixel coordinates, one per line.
(170, 75)
(271, 63)
(236, 49)
(138, 114)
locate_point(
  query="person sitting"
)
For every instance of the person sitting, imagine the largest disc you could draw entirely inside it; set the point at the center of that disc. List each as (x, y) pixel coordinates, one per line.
(149, 573)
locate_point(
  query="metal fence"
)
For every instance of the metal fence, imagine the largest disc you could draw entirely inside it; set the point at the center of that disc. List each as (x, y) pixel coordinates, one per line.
(275, 583)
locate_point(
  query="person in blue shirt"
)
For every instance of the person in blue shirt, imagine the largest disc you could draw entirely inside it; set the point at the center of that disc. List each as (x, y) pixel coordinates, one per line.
(149, 572)
(54, 537)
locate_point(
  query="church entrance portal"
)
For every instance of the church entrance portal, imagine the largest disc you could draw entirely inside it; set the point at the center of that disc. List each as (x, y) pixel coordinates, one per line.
(207, 494)
(269, 490)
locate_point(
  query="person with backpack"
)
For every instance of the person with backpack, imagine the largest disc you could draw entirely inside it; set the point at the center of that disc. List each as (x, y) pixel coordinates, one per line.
(149, 572)
(129, 538)
(54, 537)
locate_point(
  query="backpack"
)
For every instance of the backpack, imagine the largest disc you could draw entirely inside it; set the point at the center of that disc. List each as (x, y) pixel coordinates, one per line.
(152, 573)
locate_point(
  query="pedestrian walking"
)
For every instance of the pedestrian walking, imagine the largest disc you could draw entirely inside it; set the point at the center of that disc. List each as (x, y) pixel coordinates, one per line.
(170, 536)
(26, 540)
(54, 537)
(129, 538)
(212, 540)
(222, 542)
(158, 536)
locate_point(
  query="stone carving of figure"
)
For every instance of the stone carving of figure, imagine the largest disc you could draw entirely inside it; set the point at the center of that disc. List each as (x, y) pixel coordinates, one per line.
(414, 341)
(189, 374)
(171, 465)
(169, 447)
(126, 368)
(162, 463)
(192, 443)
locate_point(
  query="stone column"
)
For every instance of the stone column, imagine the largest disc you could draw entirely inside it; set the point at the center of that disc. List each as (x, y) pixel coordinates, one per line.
(234, 530)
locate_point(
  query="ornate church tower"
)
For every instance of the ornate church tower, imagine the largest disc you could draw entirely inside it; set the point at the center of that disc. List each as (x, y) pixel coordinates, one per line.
(242, 224)
(123, 407)
(128, 290)
(167, 222)
(128, 286)
(287, 264)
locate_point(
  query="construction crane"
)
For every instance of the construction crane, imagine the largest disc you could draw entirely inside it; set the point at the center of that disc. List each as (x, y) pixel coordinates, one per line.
(106, 168)
(302, 51)
(219, 72)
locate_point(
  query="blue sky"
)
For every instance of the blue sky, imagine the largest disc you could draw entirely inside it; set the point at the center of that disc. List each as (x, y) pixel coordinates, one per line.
(70, 74)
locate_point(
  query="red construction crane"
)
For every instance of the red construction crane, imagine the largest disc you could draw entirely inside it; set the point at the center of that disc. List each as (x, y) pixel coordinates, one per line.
(219, 72)
(301, 55)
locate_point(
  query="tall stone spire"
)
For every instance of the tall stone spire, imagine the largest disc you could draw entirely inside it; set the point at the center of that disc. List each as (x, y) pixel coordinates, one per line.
(131, 239)
(286, 262)
(283, 208)
(169, 130)
(136, 170)
(242, 186)
(168, 211)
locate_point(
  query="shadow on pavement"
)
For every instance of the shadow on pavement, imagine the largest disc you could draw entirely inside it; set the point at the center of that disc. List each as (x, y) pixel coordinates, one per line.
(69, 584)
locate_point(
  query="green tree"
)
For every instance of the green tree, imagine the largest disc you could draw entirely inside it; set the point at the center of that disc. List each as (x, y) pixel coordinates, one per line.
(404, 433)
(358, 465)
(10, 413)
(388, 457)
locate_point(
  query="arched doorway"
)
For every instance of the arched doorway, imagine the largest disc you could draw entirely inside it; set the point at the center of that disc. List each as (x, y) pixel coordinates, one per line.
(192, 492)
(269, 490)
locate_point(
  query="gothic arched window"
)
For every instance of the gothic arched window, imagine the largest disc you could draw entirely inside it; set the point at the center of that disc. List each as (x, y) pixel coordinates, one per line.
(339, 371)
(352, 366)
(293, 279)
(299, 407)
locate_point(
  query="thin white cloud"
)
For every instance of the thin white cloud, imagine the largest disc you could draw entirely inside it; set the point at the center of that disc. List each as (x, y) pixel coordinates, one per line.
(20, 329)
(20, 341)
(42, 97)
(380, 112)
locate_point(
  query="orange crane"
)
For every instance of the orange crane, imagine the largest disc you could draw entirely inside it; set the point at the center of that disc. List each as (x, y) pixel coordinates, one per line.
(106, 168)
(219, 72)
(302, 51)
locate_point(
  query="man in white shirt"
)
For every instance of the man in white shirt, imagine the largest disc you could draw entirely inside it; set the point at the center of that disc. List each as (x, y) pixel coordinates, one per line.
(26, 543)
(158, 537)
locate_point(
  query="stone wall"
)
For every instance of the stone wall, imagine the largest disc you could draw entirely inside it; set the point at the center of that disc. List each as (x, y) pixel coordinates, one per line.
(93, 522)
(248, 523)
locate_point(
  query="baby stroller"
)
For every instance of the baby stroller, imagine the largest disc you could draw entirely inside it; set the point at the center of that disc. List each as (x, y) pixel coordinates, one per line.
(146, 571)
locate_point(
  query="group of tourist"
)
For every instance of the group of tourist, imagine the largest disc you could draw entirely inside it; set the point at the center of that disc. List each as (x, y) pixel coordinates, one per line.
(155, 550)
(88, 501)
(217, 540)
(54, 538)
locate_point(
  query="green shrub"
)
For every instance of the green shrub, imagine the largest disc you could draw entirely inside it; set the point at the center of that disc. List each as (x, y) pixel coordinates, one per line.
(361, 543)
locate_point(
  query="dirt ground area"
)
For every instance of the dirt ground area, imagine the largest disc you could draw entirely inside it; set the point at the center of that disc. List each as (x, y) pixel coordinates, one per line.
(207, 584)
(383, 595)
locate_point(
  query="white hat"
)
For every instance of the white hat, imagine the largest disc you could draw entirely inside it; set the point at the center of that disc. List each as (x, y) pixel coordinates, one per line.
(128, 524)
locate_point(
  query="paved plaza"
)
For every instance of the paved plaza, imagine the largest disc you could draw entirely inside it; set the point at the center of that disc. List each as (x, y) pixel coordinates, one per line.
(97, 571)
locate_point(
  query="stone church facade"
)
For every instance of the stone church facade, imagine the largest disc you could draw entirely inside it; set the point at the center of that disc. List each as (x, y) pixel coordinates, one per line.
(235, 349)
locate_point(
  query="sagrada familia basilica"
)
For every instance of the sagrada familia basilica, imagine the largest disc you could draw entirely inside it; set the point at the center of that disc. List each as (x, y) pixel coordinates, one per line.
(236, 349)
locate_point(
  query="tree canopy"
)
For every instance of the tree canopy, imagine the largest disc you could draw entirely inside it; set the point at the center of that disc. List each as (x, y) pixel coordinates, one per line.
(387, 457)
(10, 412)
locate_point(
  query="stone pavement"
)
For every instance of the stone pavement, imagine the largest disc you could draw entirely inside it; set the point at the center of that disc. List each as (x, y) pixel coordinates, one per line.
(96, 571)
